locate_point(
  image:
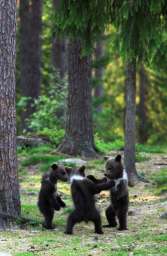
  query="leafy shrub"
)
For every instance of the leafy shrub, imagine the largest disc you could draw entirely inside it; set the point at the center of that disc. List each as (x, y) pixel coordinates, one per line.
(49, 114)
(48, 119)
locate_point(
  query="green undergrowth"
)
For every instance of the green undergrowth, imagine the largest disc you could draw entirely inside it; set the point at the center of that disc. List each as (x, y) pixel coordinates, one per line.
(43, 160)
(141, 157)
(43, 156)
(23, 151)
(54, 136)
(118, 145)
(109, 146)
(151, 148)
(160, 181)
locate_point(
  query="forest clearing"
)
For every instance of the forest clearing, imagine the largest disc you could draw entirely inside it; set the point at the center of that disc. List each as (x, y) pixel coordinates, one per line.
(146, 234)
(83, 138)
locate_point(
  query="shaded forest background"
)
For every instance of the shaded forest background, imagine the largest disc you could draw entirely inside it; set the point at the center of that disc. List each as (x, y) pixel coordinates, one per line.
(42, 69)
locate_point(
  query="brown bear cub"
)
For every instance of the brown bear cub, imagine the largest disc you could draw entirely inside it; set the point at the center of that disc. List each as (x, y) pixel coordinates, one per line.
(49, 200)
(83, 191)
(119, 193)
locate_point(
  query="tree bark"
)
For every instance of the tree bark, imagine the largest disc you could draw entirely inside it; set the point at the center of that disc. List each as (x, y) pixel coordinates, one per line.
(142, 108)
(9, 188)
(99, 90)
(79, 128)
(59, 55)
(59, 51)
(30, 52)
(130, 124)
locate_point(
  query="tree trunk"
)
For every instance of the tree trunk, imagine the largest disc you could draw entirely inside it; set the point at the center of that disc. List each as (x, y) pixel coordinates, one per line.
(30, 48)
(59, 55)
(59, 44)
(79, 131)
(9, 188)
(130, 127)
(99, 90)
(142, 109)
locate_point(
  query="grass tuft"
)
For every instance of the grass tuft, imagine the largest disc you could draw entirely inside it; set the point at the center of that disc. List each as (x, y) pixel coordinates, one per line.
(160, 180)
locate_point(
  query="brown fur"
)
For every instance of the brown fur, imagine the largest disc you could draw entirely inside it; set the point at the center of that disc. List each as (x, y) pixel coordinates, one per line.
(83, 192)
(49, 200)
(118, 208)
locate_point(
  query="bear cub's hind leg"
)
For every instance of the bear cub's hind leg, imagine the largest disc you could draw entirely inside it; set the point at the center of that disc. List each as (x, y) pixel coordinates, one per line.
(48, 215)
(122, 217)
(111, 217)
(97, 222)
(73, 218)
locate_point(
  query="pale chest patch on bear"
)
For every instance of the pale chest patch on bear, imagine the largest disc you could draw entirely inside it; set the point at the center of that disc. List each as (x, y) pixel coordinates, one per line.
(124, 178)
(76, 177)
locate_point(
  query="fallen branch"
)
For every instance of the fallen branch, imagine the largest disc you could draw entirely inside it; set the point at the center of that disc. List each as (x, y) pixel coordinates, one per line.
(30, 141)
(160, 163)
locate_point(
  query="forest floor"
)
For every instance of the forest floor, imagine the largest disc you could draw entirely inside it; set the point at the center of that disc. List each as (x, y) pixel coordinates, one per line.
(147, 233)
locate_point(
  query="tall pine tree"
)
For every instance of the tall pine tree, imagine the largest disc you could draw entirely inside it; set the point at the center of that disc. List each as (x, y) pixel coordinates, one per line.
(9, 188)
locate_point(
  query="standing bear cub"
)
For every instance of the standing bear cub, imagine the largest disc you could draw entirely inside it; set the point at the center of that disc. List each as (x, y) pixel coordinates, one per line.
(83, 190)
(49, 200)
(119, 193)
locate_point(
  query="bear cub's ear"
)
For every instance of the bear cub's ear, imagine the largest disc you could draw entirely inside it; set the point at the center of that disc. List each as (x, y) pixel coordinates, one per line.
(68, 170)
(106, 158)
(81, 170)
(54, 166)
(118, 158)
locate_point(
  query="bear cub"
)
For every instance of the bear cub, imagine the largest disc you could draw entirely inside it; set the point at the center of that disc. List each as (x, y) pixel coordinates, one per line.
(118, 208)
(48, 199)
(83, 190)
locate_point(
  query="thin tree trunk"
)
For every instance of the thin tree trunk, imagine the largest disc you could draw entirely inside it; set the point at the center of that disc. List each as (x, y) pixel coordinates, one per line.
(9, 188)
(59, 51)
(30, 47)
(99, 90)
(130, 124)
(79, 131)
(142, 108)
